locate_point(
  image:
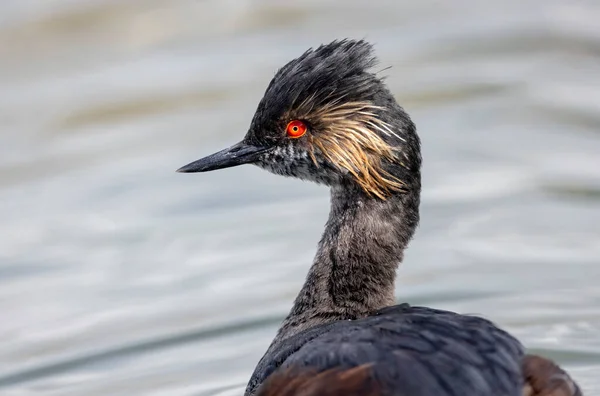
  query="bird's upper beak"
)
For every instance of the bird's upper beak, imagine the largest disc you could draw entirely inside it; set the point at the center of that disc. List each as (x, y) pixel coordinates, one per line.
(238, 154)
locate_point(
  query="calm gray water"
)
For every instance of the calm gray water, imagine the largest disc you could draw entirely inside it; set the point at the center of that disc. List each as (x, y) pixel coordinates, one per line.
(120, 277)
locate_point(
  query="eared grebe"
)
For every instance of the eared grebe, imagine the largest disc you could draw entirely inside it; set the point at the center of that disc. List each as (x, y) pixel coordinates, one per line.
(325, 118)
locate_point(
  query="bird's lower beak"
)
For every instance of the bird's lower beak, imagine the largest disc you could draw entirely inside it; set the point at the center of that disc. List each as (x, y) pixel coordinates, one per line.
(238, 154)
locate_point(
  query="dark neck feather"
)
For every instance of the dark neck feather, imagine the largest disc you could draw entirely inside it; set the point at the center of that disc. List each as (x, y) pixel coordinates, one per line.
(354, 270)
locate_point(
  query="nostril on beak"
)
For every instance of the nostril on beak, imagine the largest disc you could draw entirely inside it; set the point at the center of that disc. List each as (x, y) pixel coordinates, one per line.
(235, 149)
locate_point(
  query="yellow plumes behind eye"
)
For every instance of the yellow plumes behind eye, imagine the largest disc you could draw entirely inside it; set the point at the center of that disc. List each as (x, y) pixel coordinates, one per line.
(352, 142)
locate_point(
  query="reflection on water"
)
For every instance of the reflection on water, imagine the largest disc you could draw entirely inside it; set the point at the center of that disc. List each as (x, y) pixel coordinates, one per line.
(118, 276)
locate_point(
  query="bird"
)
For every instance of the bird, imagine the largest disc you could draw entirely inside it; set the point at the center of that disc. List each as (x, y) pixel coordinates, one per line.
(327, 118)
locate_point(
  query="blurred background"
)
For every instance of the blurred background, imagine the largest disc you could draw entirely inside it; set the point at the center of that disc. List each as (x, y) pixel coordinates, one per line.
(120, 277)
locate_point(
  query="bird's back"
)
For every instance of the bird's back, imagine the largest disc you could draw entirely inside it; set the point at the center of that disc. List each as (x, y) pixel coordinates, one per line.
(409, 351)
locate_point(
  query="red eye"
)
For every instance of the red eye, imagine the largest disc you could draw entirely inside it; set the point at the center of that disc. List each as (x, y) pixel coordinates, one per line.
(295, 129)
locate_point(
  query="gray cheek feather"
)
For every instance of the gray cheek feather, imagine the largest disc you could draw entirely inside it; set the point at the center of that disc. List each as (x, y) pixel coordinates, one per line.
(289, 161)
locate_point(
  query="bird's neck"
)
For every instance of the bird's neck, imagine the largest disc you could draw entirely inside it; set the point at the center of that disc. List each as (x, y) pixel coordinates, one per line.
(354, 270)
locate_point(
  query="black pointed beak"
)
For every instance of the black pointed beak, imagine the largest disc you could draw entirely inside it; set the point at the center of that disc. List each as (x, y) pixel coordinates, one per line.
(238, 154)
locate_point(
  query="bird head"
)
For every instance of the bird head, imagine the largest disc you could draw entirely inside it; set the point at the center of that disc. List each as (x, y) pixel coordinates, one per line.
(325, 117)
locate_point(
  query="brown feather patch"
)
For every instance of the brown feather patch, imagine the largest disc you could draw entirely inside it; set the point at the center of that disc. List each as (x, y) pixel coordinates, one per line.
(544, 378)
(351, 140)
(305, 382)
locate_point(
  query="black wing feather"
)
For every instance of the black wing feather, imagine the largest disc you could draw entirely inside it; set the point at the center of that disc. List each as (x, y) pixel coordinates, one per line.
(413, 351)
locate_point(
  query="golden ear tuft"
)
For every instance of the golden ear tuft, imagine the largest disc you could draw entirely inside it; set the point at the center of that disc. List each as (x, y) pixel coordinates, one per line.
(351, 141)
